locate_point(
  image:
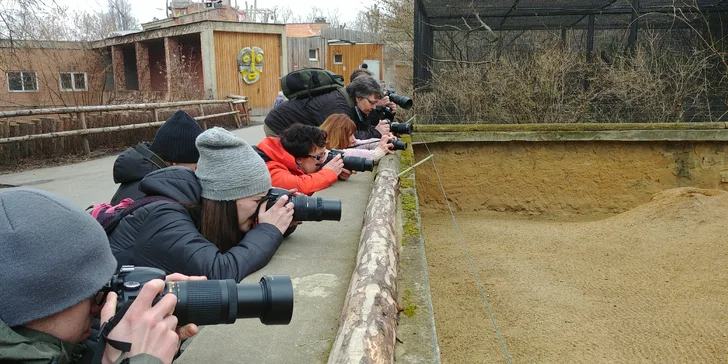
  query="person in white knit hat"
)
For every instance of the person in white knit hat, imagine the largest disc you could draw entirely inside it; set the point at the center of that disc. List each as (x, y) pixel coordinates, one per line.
(208, 222)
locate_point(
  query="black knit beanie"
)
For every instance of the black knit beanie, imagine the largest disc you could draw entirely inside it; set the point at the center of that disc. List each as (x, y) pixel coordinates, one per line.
(175, 139)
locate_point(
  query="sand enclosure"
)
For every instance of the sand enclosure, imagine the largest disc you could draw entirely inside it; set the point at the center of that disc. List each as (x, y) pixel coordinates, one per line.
(647, 285)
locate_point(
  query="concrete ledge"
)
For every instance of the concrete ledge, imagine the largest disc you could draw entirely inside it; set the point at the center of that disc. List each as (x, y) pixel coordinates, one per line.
(571, 132)
(366, 331)
(454, 128)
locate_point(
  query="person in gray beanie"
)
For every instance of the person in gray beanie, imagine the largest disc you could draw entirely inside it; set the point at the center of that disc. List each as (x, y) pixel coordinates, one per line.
(54, 263)
(212, 222)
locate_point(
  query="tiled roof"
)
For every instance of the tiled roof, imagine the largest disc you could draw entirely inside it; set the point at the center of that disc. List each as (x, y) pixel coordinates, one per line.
(304, 30)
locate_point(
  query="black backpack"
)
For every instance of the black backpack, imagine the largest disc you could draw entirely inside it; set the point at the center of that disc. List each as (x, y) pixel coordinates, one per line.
(308, 82)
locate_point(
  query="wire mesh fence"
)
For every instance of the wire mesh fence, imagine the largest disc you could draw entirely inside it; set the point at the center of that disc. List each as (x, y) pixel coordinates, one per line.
(669, 67)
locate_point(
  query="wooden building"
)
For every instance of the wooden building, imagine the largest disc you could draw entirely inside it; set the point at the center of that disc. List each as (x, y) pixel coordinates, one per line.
(338, 50)
(170, 60)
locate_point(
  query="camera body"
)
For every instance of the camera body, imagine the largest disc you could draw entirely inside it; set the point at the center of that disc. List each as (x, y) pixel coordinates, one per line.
(212, 302)
(399, 128)
(305, 208)
(401, 101)
(351, 163)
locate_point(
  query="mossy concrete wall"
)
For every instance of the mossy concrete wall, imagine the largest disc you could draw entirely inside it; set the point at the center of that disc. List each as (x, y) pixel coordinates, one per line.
(570, 168)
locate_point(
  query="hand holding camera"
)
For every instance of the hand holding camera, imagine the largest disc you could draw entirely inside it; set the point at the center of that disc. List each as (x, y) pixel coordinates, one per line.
(385, 144)
(336, 164)
(149, 328)
(279, 215)
(383, 127)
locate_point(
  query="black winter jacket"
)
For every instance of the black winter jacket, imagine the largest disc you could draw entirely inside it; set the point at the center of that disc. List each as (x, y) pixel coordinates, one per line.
(163, 235)
(314, 110)
(129, 169)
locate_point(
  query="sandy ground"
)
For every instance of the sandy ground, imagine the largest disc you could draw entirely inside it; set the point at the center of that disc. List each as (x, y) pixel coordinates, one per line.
(649, 285)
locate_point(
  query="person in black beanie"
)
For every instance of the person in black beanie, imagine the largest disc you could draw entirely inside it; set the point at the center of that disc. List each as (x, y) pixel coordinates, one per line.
(173, 145)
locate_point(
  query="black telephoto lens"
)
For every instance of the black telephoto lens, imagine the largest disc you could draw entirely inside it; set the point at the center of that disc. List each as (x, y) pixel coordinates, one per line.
(400, 128)
(398, 145)
(315, 209)
(224, 301)
(402, 101)
(359, 164)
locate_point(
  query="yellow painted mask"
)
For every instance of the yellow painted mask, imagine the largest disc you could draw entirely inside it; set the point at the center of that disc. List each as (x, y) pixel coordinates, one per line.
(250, 64)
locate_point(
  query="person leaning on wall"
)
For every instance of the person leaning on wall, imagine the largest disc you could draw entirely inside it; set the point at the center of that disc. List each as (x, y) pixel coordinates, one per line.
(297, 160)
(55, 261)
(173, 145)
(358, 100)
(340, 130)
(211, 222)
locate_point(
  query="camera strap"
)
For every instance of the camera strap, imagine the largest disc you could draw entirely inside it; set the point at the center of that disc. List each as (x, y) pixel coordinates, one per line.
(103, 338)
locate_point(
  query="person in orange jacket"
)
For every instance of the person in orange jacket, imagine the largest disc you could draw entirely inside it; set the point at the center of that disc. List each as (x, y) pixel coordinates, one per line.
(296, 160)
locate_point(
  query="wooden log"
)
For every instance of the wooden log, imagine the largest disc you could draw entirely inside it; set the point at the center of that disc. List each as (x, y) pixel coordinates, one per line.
(79, 109)
(200, 117)
(24, 128)
(367, 328)
(14, 151)
(39, 144)
(238, 123)
(32, 145)
(60, 147)
(49, 126)
(84, 132)
(84, 137)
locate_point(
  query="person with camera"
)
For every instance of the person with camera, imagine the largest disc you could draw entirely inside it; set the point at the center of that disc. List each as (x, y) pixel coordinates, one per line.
(384, 110)
(297, 160)
(173, 145)
(358, 99)
(340, 130)
(55, 264)
(209, 222)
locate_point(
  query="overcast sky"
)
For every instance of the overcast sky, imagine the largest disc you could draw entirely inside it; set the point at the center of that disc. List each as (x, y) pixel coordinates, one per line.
(146, 10)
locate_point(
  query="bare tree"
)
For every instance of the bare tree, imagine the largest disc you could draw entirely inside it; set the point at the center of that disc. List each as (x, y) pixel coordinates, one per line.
(90, 26)
(286, 15)
(121, 11)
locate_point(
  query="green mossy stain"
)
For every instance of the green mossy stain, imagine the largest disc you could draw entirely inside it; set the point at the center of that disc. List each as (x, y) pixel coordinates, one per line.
(409, 309)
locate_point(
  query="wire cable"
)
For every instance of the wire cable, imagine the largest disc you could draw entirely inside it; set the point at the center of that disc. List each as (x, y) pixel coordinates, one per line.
(470, 261)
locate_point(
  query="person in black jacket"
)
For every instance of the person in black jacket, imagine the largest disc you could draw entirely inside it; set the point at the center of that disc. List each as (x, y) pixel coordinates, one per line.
(210, 229)
(173, 145)
(357, 100)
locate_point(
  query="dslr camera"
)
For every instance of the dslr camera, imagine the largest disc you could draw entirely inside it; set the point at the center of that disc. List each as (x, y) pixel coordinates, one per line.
(399, 128)
(305, 208)
(351, 163)
(212, 302)
(401, 101)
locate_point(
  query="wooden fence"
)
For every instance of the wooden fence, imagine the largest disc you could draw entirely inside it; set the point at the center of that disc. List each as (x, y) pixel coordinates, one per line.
(66, 129)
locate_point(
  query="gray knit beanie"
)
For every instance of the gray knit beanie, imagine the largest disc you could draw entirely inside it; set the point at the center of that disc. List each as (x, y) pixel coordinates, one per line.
(54, 255)
(229, 168)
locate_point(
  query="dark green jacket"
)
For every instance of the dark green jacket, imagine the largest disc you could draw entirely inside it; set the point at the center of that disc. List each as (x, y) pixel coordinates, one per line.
(24, 345)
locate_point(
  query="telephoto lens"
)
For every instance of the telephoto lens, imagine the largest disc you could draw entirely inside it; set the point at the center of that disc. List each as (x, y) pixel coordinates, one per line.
(398, 145)
(307, 208)
(216, 301)
(401, 101)
(224, 301)
(358, 164)
(400, 128)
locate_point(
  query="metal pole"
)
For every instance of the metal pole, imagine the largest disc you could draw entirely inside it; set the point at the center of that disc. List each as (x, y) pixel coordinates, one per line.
(589, 47)
(414, 165)
(633, 32)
